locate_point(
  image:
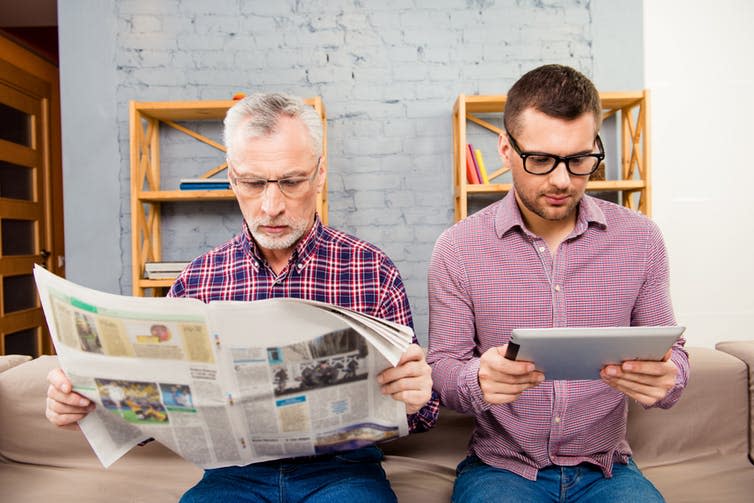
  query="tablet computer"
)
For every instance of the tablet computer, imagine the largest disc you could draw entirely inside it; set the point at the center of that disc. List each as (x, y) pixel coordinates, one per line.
(580, 353)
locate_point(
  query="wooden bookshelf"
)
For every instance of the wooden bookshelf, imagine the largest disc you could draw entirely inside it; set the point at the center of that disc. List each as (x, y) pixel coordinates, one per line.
(147, 194)
(631, 111)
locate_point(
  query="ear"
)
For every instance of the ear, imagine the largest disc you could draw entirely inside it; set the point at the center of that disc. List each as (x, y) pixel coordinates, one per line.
(227, 170)
(504, 149)
(322, 176)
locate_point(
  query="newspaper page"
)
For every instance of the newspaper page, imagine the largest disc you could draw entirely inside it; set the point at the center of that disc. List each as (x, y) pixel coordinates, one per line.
(224, 383)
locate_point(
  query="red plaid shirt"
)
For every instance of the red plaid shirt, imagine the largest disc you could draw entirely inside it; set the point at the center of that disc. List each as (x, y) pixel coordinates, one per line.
(327, 266)
(489, 275)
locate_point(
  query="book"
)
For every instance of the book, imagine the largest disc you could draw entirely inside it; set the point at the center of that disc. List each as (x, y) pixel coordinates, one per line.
(163, 270)
(227, 382)
(473, 160)
(471, 174)
(482, 170)
(203, 184)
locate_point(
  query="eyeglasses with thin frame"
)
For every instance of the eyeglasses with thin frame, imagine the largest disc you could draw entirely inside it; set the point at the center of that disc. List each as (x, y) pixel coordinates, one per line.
(542, 163)
(290, 186)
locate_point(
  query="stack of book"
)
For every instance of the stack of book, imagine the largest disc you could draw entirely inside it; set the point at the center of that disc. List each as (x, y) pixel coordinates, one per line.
(163, 270)
(475, 169)
(204, 184)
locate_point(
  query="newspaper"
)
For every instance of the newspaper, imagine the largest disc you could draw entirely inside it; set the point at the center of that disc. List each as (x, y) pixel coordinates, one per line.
(225, 383)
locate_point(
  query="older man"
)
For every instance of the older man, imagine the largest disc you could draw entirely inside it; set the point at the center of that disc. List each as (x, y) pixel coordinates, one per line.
(274, 146)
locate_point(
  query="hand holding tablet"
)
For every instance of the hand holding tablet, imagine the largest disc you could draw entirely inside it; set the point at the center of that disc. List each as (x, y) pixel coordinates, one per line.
(580, 353)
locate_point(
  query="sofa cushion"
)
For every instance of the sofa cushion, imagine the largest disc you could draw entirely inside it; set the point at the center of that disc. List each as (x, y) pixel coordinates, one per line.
(710, 418)
(10, 361)
(744, 350)
(422, 466)
(696, 451)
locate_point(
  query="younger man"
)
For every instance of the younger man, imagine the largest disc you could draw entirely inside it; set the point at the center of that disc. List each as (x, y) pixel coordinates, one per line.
(547, 255)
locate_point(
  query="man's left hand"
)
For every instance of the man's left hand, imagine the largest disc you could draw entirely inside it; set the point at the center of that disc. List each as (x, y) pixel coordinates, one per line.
(410, 381)
(647, 382)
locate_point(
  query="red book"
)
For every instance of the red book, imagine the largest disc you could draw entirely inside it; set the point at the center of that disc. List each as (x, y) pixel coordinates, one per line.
(471, 170)
(476, 164)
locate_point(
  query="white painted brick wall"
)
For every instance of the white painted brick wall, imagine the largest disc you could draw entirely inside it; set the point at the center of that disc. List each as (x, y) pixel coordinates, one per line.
(388, 72)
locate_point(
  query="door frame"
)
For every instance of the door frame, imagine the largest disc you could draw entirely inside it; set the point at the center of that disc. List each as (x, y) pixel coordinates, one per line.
(52, 172)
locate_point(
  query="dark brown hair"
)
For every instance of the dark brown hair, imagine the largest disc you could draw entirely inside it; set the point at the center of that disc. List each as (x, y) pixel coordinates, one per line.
(555, 90)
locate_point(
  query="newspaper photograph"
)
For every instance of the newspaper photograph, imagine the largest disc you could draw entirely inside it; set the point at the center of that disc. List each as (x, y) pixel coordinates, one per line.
(224, 383)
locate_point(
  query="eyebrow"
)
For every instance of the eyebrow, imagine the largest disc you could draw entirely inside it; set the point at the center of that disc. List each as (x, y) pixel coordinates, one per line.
(295, 173)
(542, 152)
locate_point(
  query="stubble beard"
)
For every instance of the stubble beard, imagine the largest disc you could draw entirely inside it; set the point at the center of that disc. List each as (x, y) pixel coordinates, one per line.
(552, 214)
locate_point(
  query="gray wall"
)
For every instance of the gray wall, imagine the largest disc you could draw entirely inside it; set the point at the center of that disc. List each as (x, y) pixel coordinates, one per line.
(388, 72)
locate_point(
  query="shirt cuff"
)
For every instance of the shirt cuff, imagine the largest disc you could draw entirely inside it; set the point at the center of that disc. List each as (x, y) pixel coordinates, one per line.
(426, 417)
(469, 389)
(674, 394)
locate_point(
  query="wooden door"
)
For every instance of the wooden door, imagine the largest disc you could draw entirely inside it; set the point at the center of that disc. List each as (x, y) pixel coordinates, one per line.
(30, 194)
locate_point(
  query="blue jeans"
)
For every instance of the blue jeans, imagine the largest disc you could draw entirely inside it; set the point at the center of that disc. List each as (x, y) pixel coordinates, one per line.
(349, 476)
(478, 482)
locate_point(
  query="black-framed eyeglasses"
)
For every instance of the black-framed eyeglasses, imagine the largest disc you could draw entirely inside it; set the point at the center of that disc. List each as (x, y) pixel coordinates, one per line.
(291, 186)
(542, 163)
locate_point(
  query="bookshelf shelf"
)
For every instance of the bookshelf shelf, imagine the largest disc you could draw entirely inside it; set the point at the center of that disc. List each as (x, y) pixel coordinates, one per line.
(147, 194)
(186, 195)
(155, 283)
(630, 112)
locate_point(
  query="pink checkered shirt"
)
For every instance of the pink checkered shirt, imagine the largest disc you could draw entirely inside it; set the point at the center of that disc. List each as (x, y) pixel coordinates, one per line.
(327, 266)
(489, 275)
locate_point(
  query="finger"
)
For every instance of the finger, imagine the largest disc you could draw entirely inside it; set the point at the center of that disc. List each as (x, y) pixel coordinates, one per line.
(667, 355)
(69, 398)
(64, 420)
(533, 377)
(407, 384)
(649, 368)
(413, 399)
(413, 352)
(64, 408)
(647, 395)
(645, 379)
(62, 415)
(408, 369)
(57, 378)
(513, 367)
(654, 388)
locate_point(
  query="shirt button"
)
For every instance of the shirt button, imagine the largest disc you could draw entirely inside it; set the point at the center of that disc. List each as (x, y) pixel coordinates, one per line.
(300, 266)
(541, 249)
(557, 419)
(557, 288)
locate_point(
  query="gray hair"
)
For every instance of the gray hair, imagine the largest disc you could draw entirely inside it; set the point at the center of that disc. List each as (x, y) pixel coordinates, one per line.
(259, 114)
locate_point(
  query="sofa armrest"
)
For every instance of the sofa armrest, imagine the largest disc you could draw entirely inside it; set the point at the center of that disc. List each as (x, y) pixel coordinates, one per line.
(39, 462)
(710, 419)
(744, 351)
(9, 361)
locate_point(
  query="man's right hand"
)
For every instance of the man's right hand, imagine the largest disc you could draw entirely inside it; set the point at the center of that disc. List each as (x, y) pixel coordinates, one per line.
(503, 380)
(64, 407)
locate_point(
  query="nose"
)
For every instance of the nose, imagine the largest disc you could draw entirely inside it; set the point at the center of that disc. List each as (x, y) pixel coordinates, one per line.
(273, 200)
(560, 177)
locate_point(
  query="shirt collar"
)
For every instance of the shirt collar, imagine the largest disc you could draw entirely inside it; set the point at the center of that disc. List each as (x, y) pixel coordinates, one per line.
(302, 254)
(508, 215)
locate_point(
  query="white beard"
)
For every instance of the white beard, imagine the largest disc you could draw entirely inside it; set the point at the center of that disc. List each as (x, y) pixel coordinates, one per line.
(297, 230)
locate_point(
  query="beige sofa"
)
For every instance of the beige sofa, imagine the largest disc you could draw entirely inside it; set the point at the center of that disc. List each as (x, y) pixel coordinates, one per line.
(696, 452)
